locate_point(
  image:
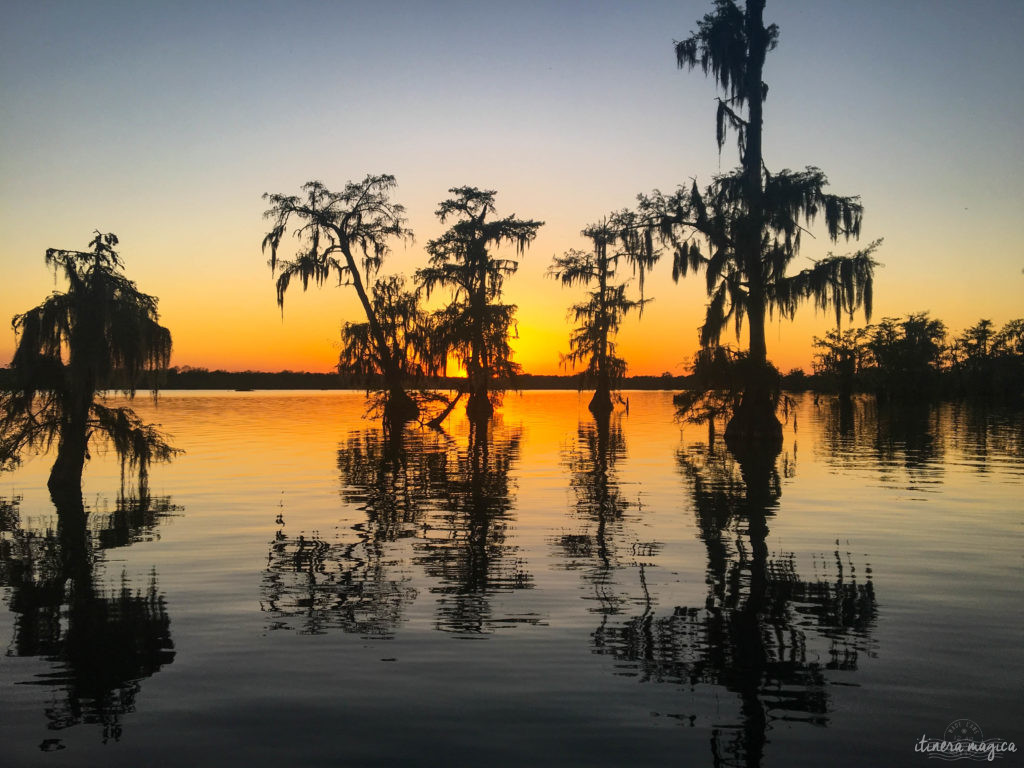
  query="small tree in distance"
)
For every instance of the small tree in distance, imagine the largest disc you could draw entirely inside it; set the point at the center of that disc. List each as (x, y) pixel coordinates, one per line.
(101, 333)
(592, 341)
(345, 235)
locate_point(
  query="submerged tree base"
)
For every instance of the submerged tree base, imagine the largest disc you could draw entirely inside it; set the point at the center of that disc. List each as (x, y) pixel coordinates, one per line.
(601, 403)
(400, 407)
(754, 424)
(479, 406)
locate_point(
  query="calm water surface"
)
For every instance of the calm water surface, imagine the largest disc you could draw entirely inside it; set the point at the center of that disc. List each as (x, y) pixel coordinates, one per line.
(298, 590)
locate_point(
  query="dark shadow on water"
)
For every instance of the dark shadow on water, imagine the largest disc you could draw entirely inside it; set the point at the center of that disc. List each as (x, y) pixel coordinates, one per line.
(441, 503)
(102, 640)
(765, 634)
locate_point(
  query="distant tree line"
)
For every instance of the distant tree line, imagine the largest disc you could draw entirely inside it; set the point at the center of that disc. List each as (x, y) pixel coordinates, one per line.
(916, 356)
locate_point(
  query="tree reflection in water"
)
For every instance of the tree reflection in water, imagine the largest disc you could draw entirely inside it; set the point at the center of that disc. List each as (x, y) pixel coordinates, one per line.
(601, 548)
(914, 444)
(764, 633)
(102, 641)
(447, 499)
(858, 432)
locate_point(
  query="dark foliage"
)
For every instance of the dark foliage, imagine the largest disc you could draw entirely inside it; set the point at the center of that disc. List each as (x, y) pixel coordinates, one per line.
(100, 333)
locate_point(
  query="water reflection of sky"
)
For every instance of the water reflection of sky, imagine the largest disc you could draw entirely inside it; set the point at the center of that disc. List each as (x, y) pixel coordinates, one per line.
(636, 595)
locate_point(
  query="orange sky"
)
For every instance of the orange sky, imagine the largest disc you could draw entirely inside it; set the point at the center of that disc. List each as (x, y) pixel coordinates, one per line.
(180, 128)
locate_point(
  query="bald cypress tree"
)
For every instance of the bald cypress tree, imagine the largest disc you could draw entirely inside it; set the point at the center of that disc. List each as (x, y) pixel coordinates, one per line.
(100, 333)
(345, 235)
(592, 341)
(744, 228)
(475, 326)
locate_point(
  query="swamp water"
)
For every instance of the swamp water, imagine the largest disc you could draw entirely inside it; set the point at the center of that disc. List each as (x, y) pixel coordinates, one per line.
(298, 590)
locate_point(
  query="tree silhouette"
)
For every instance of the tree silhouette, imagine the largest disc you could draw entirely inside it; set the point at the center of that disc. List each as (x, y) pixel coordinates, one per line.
(841, 357)
(598, 318)
(100, 333)
(752, 219)
(908, 355)
(345, 235)
(475, 326)
(408, 332)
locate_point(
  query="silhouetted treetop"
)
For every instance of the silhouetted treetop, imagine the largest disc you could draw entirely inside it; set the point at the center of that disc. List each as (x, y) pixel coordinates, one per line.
(732, 49)
(355, 223)
(475, 326)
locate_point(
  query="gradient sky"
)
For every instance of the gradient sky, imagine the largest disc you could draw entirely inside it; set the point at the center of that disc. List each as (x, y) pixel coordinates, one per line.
(165, 123)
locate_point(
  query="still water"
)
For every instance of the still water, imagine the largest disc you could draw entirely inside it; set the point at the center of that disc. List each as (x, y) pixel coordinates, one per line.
(297, 590)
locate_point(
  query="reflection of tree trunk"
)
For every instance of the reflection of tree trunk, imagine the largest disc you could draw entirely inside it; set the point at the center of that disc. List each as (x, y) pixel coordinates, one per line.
(748, 627)
(845, 415)
(73, 537)
(479, 405)
(399, 407)
(757, 466)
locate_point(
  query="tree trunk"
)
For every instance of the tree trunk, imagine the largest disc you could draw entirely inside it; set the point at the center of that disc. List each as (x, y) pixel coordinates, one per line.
(479, 370)
(399, 407)
(72, 446)
(601, 402)
(754, 419)
(439, 419)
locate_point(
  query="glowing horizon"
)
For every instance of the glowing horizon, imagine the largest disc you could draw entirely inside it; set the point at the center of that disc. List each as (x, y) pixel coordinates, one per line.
(182, 125)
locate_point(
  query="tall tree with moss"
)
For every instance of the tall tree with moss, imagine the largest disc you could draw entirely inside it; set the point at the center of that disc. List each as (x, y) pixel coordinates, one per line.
(597, 319)
(99, 334)
(345, 235)
(751, 219)
(475, 326)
